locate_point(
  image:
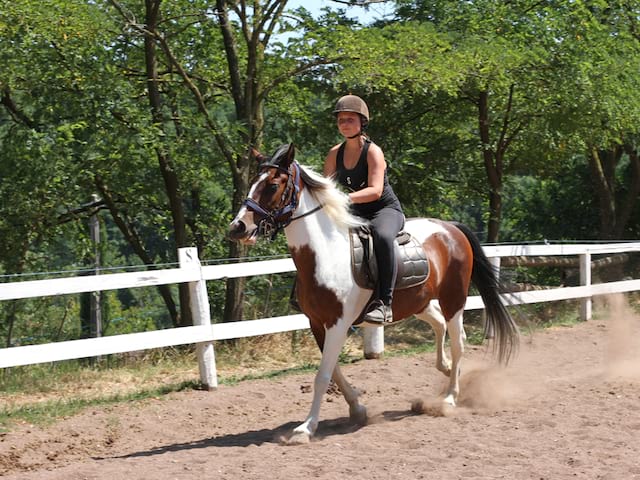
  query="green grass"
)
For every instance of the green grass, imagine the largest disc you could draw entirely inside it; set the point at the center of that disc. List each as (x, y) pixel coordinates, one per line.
(44, 413)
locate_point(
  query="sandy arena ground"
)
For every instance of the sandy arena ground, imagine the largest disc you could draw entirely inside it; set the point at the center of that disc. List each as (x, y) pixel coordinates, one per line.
(567, 408)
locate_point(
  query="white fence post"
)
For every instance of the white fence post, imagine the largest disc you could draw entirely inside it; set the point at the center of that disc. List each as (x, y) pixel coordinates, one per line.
(585, 280)
(201, 314)
(373, 337)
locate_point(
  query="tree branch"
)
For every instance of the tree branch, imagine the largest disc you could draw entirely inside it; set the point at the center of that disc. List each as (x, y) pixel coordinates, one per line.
(358, 3)
(133, 238)
(296, 71)
(219, 137)
(501, 146)
(17, 115)
(232, 56)
(272, 14)
(87, 209)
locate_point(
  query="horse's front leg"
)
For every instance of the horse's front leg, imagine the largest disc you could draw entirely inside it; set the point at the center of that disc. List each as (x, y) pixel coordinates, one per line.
(333, 341)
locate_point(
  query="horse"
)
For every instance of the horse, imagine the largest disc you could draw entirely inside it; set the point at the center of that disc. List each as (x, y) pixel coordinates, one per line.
(314, 215)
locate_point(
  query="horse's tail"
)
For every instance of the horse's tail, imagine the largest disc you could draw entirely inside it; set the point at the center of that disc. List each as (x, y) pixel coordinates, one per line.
(498, 320)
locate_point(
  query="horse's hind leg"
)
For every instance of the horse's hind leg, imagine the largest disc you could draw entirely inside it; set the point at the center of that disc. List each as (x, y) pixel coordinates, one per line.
(357, 412)
(457, 337)
(434, 317)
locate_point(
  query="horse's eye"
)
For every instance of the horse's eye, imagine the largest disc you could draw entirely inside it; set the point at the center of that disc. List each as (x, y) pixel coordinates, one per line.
(272, 188)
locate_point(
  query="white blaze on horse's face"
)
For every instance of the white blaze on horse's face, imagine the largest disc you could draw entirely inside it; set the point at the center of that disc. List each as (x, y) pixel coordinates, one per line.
(243, 227)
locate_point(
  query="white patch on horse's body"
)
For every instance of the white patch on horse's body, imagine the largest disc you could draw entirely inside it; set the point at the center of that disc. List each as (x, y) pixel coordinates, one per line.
(423, 228)
(324, 240)
(326, 233)
(329, 240)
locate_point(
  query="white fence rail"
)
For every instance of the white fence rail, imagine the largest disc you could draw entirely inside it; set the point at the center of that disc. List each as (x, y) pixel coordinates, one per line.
(204, 333)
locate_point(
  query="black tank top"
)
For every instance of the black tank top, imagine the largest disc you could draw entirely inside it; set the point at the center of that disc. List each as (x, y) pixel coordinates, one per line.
(357, 178)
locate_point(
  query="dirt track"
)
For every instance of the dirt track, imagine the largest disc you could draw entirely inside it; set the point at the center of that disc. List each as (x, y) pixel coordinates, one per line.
(569, 407)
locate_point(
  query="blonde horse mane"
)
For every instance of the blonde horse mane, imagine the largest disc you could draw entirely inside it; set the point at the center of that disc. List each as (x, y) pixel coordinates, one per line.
(335, 202)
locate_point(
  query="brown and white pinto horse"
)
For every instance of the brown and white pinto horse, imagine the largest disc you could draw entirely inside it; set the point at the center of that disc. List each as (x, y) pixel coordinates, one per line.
(315, 217)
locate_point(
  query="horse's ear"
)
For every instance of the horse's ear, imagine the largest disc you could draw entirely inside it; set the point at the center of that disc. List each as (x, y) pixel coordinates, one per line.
(289, 156)
(258, 156)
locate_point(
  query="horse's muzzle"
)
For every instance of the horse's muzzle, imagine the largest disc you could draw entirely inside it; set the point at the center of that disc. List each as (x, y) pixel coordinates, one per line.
(238, 233)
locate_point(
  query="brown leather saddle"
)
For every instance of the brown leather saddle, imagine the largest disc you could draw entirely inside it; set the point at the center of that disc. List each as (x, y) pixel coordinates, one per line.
(413, 265)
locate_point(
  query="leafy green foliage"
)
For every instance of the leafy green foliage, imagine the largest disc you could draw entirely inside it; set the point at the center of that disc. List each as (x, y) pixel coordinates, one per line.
(559, 78)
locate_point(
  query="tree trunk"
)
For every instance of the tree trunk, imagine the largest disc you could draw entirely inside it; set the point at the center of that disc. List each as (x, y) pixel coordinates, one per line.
(249, 103)
(133, 239)
(630, 202)
(234, 296)
(167, 169)
(11, 321)
(493, 166)
(13, 304)
(603, 165)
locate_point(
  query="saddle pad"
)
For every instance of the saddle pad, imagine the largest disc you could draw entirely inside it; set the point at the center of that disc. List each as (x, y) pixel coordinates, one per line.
(411, 259)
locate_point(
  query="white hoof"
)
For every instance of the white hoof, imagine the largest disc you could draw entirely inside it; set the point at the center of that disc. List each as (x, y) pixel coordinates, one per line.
(302, 433)
(449, 401)
(298, 438)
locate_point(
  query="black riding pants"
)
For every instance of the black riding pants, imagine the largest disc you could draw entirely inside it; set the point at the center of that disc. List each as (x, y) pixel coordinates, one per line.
(385, 225)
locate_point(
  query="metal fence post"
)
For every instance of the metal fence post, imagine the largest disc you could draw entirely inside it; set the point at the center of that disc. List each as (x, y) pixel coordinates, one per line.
(201, 314)
(585, 279)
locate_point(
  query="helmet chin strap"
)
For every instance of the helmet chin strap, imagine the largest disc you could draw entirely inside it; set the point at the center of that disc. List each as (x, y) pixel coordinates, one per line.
(355, 136)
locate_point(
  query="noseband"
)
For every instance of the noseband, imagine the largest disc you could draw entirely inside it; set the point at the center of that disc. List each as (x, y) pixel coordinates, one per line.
(272, 222)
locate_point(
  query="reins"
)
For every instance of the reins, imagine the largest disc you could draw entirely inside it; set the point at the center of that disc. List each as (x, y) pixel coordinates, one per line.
(313, 210)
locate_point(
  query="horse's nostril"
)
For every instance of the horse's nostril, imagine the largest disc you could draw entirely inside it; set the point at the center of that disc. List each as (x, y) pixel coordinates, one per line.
(237, 229)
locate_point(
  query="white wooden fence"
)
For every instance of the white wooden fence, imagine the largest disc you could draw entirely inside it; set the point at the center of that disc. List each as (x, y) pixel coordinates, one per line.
(204, 333)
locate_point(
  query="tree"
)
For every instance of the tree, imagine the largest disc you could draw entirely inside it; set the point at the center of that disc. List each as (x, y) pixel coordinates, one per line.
(516, 66)
(473, 54)
(600, 105)
(235, 85)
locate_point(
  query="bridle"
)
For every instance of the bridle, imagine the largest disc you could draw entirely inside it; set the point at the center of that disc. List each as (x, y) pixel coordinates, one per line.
(273, 221)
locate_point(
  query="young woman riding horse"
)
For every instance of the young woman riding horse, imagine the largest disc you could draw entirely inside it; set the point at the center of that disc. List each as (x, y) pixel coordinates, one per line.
(358, 165)
(316, 220)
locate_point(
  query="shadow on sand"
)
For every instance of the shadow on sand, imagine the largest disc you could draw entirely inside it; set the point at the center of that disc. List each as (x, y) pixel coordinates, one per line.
(326, 429)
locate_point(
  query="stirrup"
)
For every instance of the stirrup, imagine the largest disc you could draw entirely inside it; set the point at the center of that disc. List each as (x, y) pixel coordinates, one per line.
(378, 313)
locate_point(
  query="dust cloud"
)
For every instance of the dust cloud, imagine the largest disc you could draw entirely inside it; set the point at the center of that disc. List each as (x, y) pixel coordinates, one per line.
(486, 386)
(622, 355)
